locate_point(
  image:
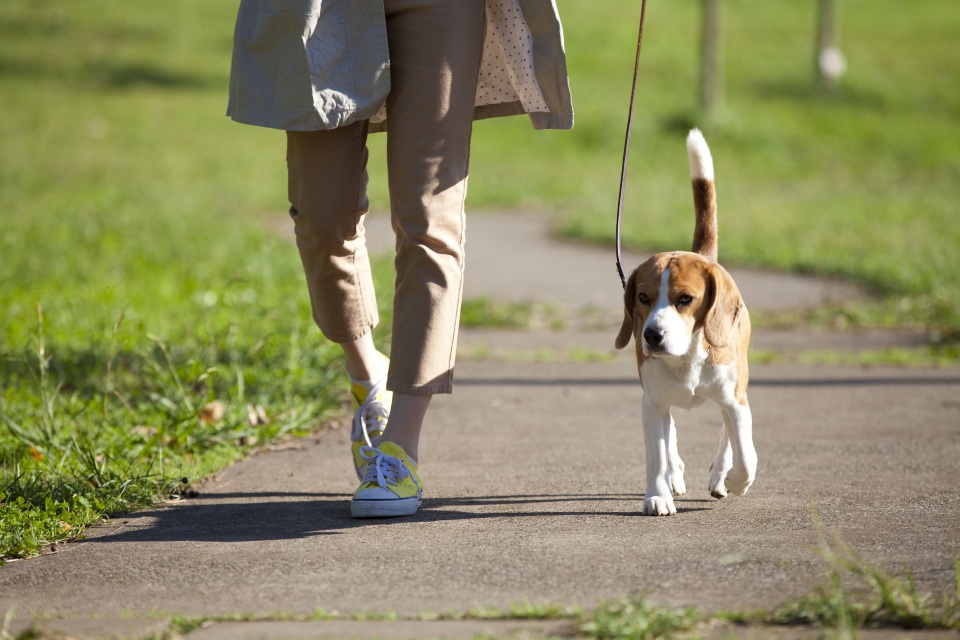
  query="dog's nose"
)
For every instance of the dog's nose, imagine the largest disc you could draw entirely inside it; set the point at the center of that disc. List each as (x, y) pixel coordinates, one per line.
(653, 336)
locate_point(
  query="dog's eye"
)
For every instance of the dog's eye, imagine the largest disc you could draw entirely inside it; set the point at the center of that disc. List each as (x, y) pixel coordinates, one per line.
(643, 298)
(684, 300)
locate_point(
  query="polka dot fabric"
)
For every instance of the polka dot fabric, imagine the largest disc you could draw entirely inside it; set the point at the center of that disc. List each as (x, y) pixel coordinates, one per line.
(506, 71)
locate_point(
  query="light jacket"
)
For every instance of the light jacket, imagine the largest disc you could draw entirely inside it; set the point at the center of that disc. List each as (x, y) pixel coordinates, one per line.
(304, 65)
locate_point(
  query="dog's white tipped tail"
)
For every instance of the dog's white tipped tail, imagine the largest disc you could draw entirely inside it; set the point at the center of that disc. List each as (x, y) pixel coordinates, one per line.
(701, 162)
(704, 195)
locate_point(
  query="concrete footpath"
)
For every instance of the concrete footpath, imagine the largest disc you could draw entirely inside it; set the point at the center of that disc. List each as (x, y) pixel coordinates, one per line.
(533, 471)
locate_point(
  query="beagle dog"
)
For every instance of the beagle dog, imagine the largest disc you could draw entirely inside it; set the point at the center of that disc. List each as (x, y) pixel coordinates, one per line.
(692, 331)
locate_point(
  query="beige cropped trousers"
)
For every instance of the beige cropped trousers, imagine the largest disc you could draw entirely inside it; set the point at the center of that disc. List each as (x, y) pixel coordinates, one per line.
(435, 48)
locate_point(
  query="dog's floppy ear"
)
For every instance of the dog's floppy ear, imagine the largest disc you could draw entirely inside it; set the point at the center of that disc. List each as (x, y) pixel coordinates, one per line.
(629, 322)
(724, 309)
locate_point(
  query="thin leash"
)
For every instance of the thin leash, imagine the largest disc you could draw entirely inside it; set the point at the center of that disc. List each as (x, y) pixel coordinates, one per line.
(626, 143)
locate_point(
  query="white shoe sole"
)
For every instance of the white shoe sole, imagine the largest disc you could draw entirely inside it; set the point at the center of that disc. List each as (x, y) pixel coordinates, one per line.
(384, 508)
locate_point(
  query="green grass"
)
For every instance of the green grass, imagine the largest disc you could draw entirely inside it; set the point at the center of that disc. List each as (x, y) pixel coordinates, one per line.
(484, 312)
(925, 356)
(862, 183)
(635, 618)
(141, 278)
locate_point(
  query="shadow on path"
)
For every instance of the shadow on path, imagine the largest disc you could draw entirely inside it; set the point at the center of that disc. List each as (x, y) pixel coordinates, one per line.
(247, 518)
(865, 381)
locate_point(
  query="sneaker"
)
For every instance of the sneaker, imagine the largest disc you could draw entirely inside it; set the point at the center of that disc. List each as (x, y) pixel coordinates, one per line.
(371, 410)
(390, 487)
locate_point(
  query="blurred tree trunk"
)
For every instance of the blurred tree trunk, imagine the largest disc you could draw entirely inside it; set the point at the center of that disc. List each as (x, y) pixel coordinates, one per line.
(711, 69)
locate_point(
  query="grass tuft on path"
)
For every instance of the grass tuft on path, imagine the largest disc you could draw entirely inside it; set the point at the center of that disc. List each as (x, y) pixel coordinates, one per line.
(859, 595)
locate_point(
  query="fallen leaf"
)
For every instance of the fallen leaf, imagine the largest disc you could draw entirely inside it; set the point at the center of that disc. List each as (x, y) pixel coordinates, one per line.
(144, 431)
(212, 412)
(257, 415)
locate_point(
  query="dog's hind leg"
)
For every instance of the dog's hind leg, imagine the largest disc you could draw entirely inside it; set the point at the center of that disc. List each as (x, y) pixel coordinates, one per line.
(657, 423)
(675, 463)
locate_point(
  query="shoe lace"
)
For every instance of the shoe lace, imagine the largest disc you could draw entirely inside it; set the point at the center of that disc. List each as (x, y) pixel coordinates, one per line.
(372, 413)
(384, 469)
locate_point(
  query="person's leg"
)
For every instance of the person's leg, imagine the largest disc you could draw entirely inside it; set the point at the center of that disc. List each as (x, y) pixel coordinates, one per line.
(327, 181)
(361, 358)
(406, 422)
(435, 48)
(429, 119)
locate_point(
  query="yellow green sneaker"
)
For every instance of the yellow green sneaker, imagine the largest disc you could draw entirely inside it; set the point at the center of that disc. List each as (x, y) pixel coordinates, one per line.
(390, 486)
(371, 409)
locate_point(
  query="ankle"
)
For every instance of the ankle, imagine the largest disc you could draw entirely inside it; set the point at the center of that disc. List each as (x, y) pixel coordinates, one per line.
(362, 360)
(406, 422)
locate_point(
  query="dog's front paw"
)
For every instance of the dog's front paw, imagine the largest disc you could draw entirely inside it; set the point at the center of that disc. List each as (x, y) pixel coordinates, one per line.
(659, 506)
(738, 480)
(718, 476)
(717, 488)
(742, 473)
(677, 484)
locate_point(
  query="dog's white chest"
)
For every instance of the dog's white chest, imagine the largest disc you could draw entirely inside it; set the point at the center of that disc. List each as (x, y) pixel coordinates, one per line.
(682, 383)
